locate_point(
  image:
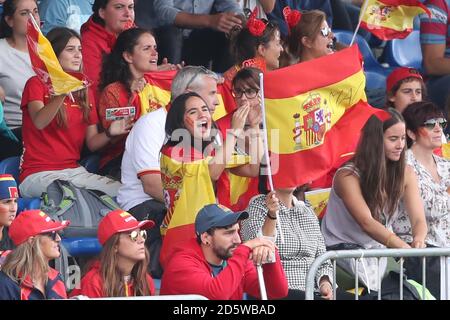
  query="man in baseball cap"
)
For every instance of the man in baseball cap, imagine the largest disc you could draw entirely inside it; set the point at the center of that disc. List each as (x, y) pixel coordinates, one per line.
(404, 86)
(217, 264)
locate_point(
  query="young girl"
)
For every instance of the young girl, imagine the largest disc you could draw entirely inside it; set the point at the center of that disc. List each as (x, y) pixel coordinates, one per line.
(25, 274)
(8, 210)
(122, 268)
(55, 128)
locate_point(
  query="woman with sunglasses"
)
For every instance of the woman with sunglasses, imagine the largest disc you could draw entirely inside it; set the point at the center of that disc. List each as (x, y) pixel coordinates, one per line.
(121, 270)
(425, 124)
(245, 90)
(25, 273)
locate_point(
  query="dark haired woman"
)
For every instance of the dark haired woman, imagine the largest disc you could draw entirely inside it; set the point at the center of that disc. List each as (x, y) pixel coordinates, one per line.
(15, 68)
(100, 32)
(55, 128)
(366, 192)
(122, 78)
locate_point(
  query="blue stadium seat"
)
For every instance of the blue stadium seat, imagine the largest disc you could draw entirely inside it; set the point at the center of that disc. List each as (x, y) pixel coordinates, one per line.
(370, 62)
(375, 80)
(82, 246)
(91, 163)
(28, 204)
(10, 166)
(404, 52)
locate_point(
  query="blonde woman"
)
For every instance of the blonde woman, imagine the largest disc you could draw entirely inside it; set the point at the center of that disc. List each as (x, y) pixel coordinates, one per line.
(25, 274)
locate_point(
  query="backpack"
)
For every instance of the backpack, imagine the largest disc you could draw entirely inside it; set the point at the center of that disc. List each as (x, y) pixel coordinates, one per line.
(83, 207)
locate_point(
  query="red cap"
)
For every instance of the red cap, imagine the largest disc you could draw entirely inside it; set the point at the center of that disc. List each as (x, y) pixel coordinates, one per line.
(119, 221)
(401, 74)
(31, 223)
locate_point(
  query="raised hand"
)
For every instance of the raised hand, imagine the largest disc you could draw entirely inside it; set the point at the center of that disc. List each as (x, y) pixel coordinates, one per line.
(224, 21)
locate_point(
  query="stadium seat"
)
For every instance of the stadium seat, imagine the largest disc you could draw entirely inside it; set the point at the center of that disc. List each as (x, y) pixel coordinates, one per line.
(370, 62)
(375, 80)
(10, 166)
(28, 204)
(91, 163)
(404, 52)
(82, 246)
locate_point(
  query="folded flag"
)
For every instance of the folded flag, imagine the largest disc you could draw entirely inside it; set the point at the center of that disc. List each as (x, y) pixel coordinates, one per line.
(391, 19)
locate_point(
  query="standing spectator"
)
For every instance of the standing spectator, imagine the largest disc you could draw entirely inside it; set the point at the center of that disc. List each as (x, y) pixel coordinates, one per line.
(99, 34)
(15, 66)
(366, 192)
(26, 274)
(195, 31)
(122, 268)
(64, 13)
(218, 266)
(8, 209)
(55, 128)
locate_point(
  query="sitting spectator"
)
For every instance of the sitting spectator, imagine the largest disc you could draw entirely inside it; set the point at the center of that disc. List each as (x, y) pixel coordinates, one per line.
(122, 78)
(196, 32)
(15, 67)
(425, 124)
(64, 13)
(435, 42)
(122, 268)
(25, 274)
(366, 192)
(141, 192)
(403, 87)
(99, 34)
(57, 126)
(252, 47)
(8, 209)
(246, 93)
(218, 266)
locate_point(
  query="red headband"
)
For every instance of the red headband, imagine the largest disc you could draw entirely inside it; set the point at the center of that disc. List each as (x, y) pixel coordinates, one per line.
(292, 17)
(255, 26)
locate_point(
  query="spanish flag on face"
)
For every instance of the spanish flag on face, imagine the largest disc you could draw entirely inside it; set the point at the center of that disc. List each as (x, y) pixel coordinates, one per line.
(314, 112)
(46, 64)
(391, 19)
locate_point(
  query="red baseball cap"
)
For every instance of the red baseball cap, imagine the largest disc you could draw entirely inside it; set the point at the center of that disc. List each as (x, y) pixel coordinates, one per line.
(31, 223)
(119, 221)
(401, 74)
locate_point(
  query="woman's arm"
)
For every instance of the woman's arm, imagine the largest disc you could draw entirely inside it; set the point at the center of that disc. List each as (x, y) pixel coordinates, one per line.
(96, 140)
(414, 208)
(348, 189)
(41, 114)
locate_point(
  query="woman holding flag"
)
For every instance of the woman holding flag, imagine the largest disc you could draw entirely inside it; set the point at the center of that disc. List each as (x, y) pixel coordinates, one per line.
(55, 127)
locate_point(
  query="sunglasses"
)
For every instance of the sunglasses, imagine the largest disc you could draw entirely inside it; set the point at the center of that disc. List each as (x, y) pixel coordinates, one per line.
(249, 93)
(52, 235)
(201, 70)
(325, 31)
(134, 235)
(431, 124)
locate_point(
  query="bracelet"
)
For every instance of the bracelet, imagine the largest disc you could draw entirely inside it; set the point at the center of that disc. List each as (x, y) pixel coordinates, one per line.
(388, 241)
(108, 134)
(270, 217)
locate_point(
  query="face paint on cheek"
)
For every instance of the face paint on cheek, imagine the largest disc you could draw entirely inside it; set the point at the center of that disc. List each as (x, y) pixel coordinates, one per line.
(422, 132)
(189, 122)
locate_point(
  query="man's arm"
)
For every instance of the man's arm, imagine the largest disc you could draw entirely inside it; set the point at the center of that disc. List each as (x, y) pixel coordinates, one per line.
(434, 61)
(152, 185)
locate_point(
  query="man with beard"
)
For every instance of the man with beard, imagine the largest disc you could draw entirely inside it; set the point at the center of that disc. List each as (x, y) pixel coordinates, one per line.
(218, 266)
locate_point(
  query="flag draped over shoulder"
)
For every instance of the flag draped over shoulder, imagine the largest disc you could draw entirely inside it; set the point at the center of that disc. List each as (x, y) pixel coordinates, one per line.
(46, 64)
(156, 93)
(391, 19)
(314, 112)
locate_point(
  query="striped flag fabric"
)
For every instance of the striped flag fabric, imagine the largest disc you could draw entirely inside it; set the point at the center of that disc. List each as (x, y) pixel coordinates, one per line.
(318, 199)
(46, 65)
(314, 113)
(391, 19)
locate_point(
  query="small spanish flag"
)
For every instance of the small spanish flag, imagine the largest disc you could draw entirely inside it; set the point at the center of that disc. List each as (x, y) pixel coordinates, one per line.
(391, 19)
(46, 64)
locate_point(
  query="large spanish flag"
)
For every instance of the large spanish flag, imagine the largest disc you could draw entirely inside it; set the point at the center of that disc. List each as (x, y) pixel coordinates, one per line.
(46, 64)
(156, 93)
(391, 19)
(314, 112)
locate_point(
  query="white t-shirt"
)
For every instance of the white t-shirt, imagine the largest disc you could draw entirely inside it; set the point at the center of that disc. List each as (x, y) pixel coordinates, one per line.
(141, 156)
(15, 70)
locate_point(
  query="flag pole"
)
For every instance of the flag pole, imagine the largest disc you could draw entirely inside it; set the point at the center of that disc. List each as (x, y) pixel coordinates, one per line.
(34, 22)
(361, 14)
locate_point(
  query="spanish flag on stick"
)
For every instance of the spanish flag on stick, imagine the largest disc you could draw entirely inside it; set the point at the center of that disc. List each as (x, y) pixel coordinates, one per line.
(314, 112)
(46, 64)
(391, 19)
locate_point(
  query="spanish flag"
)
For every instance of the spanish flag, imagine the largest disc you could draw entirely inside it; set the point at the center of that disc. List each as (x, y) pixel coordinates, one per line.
(446, 150)
(318, 199)
(314, 112)
(46, 64)
(156, 93)
(391, 19)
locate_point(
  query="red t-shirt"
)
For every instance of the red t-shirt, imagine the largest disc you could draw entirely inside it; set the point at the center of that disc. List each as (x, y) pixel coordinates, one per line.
(54, 147)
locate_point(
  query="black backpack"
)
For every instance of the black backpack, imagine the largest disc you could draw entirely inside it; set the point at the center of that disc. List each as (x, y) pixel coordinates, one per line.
(83, 207)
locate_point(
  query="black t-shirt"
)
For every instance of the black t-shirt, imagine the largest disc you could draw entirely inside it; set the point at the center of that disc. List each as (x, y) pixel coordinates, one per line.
(6, 242)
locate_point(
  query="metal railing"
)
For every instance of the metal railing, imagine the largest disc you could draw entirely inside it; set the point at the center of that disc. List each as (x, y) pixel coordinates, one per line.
(379, 253)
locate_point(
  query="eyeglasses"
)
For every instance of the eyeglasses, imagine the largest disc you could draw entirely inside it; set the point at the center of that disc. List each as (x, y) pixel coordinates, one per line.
(134, 235)
(325, 31)
(249, 93)
(52, 235)
(431, 124)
